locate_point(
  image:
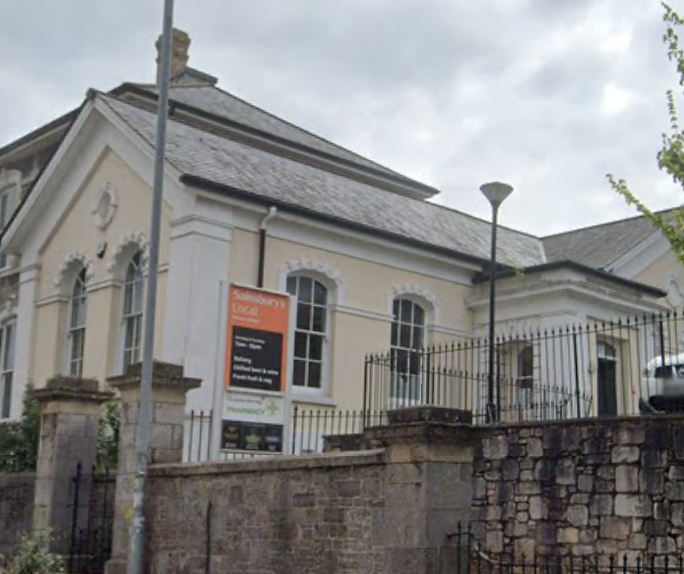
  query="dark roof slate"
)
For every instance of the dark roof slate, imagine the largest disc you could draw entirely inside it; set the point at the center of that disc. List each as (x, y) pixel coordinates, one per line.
(239, 166)
(218, 102)
(598, 246)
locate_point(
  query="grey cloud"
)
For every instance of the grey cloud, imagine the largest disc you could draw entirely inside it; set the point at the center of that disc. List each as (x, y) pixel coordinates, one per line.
(453, 92)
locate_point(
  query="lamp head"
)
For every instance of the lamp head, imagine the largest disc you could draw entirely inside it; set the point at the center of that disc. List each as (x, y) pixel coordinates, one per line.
(496, 192)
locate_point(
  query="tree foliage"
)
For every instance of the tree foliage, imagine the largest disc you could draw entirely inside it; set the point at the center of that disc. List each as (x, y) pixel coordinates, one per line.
(32, 557)
(19, 441)
(671, 155)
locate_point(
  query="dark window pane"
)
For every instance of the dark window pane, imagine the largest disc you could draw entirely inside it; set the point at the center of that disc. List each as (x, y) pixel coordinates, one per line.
(417, 338)
(299, 373)
(300, 345)
(320, 294)
(304, 317)
(292, 285)
(305, 290)
(318, 319)
(395, 336)
(405, 336)
(418, 315)
(395, 309)
(315, 375)
(315, 347)
(405, 312)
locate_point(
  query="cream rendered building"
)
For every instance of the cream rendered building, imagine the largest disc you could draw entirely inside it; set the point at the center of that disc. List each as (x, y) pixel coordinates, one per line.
(248, 196)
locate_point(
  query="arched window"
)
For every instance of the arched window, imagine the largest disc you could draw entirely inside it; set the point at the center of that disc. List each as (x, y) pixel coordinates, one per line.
(310, 331)
(132, 317)
(77, 325)
(408, 339)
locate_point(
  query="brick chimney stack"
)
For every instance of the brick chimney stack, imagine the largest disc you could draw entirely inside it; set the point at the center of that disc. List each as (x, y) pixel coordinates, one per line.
(180, 52)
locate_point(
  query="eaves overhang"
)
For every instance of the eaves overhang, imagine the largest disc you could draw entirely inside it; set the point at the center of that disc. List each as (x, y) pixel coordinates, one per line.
(223, 189)
(573, 265)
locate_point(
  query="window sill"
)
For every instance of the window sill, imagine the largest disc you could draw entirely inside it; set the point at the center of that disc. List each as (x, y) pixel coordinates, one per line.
(311, 399)
(8, 271)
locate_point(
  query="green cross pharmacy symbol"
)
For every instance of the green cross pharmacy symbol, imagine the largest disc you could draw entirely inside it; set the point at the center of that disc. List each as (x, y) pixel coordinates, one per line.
(272, 408)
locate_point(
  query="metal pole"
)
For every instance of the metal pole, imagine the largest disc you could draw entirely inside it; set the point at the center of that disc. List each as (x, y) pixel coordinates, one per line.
(137, 531)
(491, 407)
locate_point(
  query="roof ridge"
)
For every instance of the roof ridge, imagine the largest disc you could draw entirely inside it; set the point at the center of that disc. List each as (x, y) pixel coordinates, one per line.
(477, 218)
(419, 202)
(605, 224)
(310, 133)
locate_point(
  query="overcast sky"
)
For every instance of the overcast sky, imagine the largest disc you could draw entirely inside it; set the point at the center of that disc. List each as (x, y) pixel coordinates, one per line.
(548, 95)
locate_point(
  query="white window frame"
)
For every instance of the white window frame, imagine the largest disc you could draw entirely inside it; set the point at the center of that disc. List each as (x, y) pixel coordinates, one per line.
(132, 318)
(7, 367)
(77, 331)
(403, 380)
(324, 387)
(7, 194)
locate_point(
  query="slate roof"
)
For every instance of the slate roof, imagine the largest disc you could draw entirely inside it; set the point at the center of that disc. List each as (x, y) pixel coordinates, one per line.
(216, 101)
(236, 165)
(598, 246)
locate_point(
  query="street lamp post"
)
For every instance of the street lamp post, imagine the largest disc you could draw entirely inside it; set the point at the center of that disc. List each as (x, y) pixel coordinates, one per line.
(496, 193)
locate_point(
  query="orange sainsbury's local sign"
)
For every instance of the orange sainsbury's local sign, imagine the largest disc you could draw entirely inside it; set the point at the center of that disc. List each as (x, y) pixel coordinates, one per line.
(256, 341)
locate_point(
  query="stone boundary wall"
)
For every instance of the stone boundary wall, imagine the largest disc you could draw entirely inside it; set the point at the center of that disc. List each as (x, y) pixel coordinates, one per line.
(592, 487)
(16, 508)
(353, 513)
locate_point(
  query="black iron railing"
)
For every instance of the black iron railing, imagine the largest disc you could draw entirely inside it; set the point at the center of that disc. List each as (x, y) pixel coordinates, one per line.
(92, 520)
(464, 554)
(576, 371)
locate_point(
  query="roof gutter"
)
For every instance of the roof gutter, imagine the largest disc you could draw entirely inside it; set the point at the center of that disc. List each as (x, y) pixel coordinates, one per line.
(569, 264)
(303, 211)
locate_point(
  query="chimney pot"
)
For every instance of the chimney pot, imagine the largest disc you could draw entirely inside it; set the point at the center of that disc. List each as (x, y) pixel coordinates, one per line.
(180, 52)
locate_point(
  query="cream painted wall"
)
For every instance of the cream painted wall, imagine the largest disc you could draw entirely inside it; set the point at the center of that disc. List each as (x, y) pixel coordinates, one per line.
(361, 317)
(77, 235)
(659, 272)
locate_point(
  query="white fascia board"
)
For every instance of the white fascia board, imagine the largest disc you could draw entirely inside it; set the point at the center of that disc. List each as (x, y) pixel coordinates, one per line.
(613, 299)
(69, 170)
(641, 256)
(21, 222)
(336, 239)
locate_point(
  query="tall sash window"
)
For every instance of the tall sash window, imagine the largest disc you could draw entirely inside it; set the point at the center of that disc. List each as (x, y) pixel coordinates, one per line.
(77, 325)
(133, 311)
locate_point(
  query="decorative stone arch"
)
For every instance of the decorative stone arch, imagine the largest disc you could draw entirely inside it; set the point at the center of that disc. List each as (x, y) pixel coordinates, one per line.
(418, 294)
(320, 270)
(71, 266)
(125, 249)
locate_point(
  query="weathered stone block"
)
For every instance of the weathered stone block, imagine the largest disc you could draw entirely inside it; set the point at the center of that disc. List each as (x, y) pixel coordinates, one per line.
(633, 505)
(578, 515)
(627, 479)
(625, 454)
(496, 448)
(674, 491)
(662, 545)
(615, 528)
(568, 536)
(566, 472)
(602, 505)
(535, 448)
(510, 469)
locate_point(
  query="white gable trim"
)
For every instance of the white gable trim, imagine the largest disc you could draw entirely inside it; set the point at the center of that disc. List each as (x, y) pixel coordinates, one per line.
(96, 130)
(635, 261)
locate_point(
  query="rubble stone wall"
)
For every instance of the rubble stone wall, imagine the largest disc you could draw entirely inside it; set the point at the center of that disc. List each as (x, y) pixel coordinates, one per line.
(16, 508)
(356, 513)
(613, 486)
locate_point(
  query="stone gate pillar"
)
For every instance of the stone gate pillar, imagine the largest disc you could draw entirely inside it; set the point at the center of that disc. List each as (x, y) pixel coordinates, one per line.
(169, 389)
(69, 418)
